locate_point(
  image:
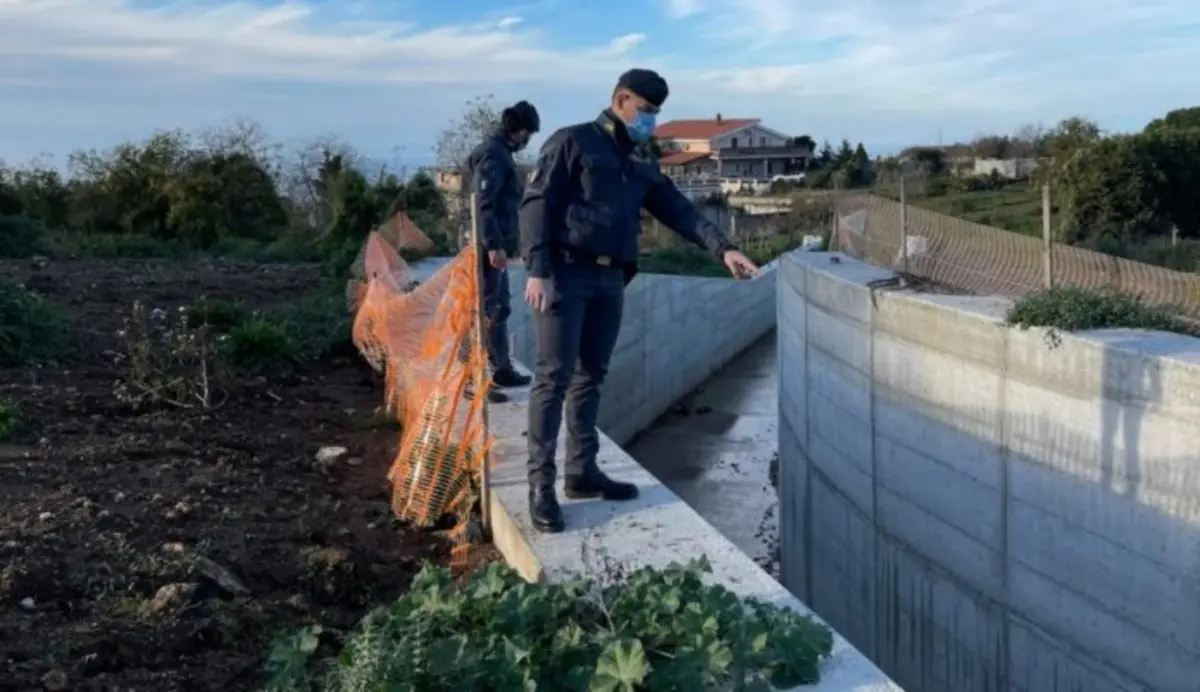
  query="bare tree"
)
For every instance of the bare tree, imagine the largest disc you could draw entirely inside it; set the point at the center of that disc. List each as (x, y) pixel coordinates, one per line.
(1030, 139)
(479, 119)
(300, 179)
(243, 136)
(991, 146)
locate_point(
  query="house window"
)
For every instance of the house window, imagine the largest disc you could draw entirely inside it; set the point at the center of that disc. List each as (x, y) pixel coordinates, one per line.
(762, 141)
(733, 142)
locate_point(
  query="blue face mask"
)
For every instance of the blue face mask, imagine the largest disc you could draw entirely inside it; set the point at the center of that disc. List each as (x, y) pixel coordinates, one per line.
(642, 126)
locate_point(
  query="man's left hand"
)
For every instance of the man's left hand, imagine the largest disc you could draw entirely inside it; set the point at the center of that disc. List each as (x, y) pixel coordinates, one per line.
(498, 259)
(739, 265)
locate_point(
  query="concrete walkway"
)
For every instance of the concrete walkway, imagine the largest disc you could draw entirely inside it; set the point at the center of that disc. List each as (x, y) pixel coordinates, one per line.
(717, 448)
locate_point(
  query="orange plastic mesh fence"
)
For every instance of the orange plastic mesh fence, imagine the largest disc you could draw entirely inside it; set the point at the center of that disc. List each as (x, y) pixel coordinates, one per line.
(421, 337)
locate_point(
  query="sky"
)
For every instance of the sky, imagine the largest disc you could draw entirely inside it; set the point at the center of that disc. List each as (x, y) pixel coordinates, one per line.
(387, 76)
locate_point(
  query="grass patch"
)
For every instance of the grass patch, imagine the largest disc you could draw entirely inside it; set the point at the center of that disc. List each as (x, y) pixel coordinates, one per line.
(1015, 207)
(661, 630)
(315, 327)
(1072, 309)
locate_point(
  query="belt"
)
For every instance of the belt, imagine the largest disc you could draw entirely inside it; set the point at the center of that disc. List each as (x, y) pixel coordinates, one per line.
(576, 256)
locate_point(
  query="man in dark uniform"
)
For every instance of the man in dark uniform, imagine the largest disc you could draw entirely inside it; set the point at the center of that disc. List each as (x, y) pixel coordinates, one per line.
(497, 185)
(580, 221)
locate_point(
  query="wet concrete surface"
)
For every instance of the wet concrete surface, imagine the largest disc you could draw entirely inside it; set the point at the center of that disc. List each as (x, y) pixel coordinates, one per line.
(717, 449)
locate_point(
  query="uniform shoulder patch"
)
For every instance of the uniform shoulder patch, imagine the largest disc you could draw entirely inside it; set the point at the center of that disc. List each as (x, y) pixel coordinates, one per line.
(543, 162)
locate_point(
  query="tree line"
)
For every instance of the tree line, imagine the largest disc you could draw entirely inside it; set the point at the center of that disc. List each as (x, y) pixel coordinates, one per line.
(1118, 191)
(227, 190)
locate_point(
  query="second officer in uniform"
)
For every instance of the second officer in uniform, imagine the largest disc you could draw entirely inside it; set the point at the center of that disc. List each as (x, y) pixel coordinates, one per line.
(580, 220)
(496, 181)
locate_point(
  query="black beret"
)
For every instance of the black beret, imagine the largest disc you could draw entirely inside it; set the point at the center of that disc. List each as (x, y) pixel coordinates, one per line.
(521, 116)
(645, 83)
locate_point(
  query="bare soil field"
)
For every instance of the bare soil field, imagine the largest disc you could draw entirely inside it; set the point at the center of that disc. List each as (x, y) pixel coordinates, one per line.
(163, 550)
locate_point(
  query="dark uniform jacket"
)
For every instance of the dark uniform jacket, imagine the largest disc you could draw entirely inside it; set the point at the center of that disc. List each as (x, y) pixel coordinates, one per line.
(587, 193)
(493, 177)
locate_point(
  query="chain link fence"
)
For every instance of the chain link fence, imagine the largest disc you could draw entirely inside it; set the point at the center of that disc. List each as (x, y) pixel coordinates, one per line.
(984, 260)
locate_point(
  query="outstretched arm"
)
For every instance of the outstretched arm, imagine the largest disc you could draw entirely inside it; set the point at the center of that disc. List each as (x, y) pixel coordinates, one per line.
(666, 203)
(544, 202)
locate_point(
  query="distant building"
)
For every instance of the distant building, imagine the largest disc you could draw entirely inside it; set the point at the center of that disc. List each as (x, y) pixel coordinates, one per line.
(728, 148)
(1010, 169)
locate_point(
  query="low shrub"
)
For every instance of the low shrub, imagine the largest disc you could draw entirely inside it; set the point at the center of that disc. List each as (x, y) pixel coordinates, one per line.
(1071, 309)
(663, 630)
(21, 237)
(260, 347)
(319, 323)
(221, 315)
(10, 420)
(31, 331)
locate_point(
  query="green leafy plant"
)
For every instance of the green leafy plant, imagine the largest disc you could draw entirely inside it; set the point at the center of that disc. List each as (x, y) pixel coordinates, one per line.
(665, 630)
(261, 347)
(220, 315)
(1071, 309)
(30, 330)
(10, 420)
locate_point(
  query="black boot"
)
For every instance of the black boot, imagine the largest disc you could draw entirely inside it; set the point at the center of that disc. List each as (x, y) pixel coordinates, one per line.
(597, 485)
(544, 510)
(509, 378)
(494, 396)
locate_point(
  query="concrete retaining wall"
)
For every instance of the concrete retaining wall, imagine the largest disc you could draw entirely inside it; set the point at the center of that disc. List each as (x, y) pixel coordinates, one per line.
(677, 331)
(977, 511)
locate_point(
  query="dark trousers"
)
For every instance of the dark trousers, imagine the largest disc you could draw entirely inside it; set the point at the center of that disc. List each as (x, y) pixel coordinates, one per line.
(497, 298)
(575, 340)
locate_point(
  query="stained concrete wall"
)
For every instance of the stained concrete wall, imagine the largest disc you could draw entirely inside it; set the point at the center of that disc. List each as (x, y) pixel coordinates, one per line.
(677, 330)
(976, 510)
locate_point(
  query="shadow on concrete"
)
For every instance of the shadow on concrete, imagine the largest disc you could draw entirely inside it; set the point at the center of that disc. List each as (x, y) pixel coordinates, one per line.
(1071, 575)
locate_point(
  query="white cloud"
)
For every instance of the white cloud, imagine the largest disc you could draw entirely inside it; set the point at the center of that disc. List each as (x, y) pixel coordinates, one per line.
(684, 8)
(622, 45)
(954, 61)
(879, 70)
(288, 40)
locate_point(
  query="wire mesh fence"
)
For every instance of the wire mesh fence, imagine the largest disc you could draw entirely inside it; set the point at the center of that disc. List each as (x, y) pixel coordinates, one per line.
(982, 259)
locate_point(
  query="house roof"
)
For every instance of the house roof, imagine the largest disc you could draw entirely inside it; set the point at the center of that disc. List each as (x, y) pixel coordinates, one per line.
(682, 158)
(701, 129)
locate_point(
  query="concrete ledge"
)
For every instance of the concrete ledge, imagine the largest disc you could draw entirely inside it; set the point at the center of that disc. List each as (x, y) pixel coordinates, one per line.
(656, 529)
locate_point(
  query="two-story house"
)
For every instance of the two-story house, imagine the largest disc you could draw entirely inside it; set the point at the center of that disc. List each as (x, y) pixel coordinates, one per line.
(728, 148)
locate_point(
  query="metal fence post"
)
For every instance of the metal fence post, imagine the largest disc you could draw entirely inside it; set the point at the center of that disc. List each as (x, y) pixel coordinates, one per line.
(485, 476)
(1047, 240)
(903, 223)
